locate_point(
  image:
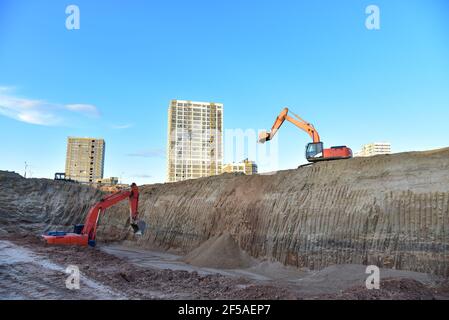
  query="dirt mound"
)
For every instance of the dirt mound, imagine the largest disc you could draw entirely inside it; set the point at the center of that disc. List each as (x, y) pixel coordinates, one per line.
(391, 289)
(219, 252)
(10, 174)
(351, 278)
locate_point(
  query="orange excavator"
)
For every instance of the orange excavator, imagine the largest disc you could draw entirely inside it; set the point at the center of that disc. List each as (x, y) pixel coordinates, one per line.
(84, 234)
(314, 151)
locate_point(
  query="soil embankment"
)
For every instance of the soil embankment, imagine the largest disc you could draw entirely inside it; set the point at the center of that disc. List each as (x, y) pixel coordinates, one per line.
(392, 211)
(38, 205)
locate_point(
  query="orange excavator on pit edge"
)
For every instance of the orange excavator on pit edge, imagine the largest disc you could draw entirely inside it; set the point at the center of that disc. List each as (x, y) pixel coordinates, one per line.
(85, 234)
(314, 151)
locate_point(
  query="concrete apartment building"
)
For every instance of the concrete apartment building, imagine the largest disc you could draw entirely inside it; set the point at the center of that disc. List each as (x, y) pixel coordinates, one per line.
(246, 166)
(195, 140)
(85, 159)
(372, 149)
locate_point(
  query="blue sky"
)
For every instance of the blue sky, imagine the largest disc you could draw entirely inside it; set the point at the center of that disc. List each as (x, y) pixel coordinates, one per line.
(114, 77)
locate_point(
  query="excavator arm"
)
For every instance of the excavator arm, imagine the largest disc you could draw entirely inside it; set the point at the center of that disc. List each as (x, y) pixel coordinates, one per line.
(297, 121)
(91, 222)
(314, 151)
(85, 234)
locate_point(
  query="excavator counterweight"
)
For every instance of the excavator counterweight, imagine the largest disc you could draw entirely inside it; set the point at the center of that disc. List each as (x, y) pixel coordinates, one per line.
(315, 150)
(85, 234)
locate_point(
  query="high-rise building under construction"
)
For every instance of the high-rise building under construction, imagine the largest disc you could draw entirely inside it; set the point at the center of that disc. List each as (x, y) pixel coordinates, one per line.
(85, 159)
(195, 140)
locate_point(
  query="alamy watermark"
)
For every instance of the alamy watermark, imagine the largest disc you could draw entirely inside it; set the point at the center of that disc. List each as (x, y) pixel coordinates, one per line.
(194, 145)
(372, 22)
(72, 21)
(241, 144)
(373, 280)
(73, 280)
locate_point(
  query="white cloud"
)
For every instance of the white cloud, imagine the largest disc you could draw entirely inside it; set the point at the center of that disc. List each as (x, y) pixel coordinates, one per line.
(39, 118)
(40, 112)
(122, 126)
(5, 89)
(86, 109)
(27, 110)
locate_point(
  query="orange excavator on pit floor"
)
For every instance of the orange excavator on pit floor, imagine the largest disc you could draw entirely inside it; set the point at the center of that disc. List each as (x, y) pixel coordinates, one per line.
(314, 151)
(84, 234)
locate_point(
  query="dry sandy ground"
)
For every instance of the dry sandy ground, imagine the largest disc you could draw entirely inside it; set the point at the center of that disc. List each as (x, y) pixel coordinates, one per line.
(31, 270)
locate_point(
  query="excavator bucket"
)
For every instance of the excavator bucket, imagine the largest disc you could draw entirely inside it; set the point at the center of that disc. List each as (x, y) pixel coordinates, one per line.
(263, 136)
(139, 227)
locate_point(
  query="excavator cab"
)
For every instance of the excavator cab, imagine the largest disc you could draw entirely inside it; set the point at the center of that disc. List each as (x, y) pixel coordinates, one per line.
(314, 151)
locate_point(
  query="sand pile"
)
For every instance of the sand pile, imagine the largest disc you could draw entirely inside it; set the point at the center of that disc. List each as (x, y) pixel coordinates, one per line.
(220, 251)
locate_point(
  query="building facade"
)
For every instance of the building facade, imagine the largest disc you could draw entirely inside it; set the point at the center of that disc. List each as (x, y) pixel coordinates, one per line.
(108, 181)
(195, 140)
(247, 167)
(373, 149)
(85, 159)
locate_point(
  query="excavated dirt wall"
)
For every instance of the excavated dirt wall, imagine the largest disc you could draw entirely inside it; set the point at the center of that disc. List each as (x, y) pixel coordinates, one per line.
(38, 205)
(392, 211)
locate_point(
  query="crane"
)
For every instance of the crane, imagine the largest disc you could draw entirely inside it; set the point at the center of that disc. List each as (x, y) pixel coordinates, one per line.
(314, 151)
(85, 234)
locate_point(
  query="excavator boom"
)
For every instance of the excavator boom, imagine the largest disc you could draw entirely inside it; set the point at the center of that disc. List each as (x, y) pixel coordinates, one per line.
(315, 150)
(85, 234)
(297, 121)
